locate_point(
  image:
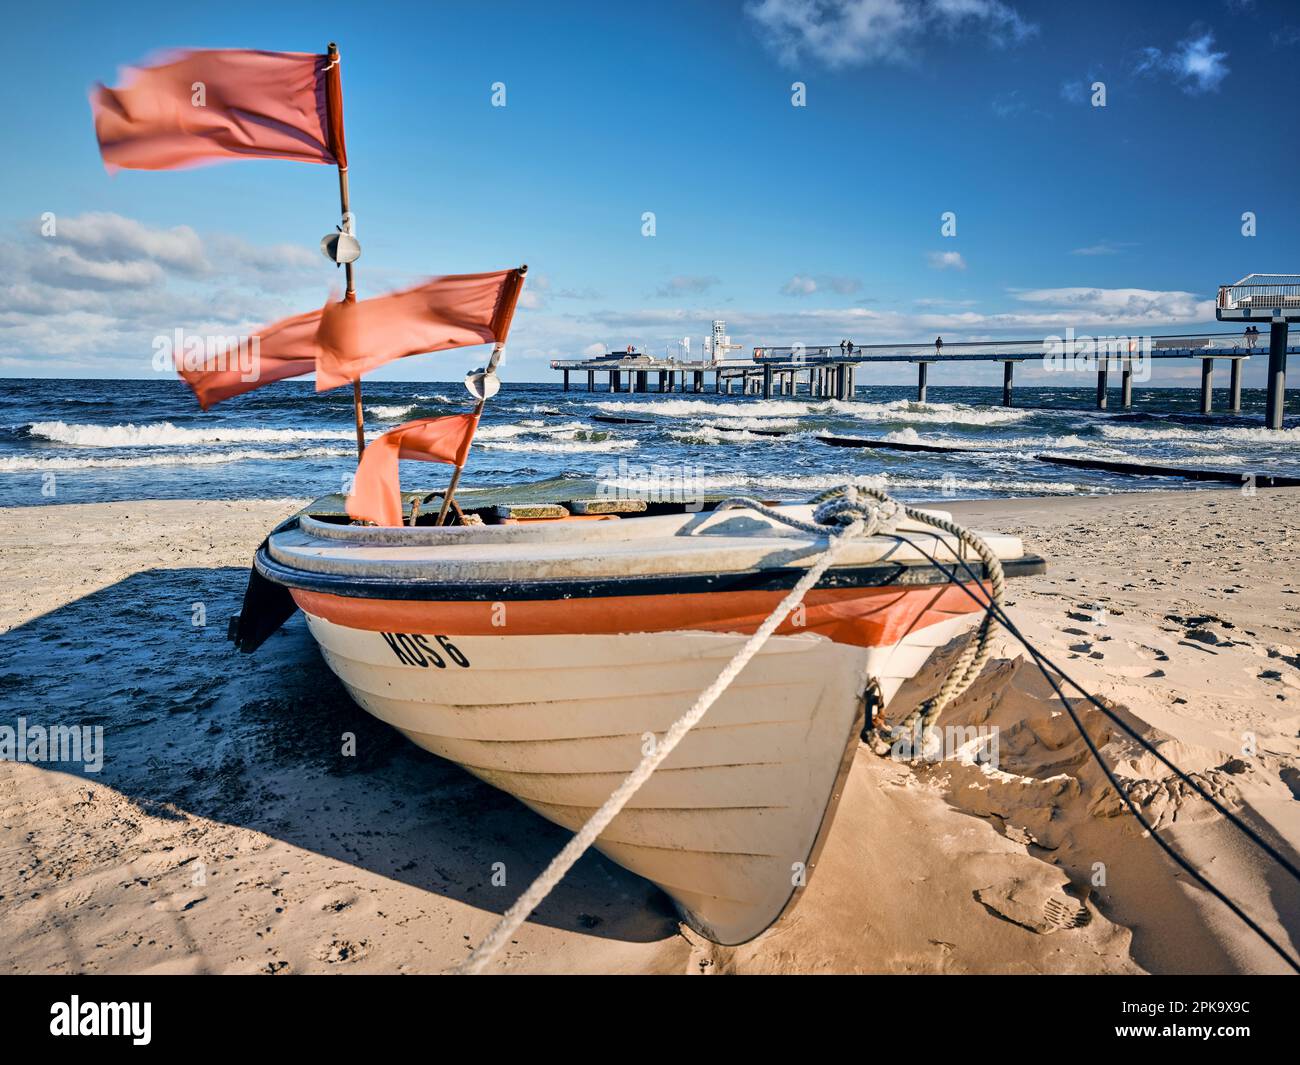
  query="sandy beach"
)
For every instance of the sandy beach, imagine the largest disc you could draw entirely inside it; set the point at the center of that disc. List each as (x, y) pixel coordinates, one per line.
(229, 832)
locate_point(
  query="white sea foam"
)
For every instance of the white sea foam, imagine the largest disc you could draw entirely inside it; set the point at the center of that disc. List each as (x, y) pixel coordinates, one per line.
(694, 408)
(531, 428)
(557, 446)
(1241, 434)
(163, 434)
(730, 422)
(390, 412)
(719, 434)
(24, 463)
(816, 482)
(898, 410)
(904, 410)
(906, 436)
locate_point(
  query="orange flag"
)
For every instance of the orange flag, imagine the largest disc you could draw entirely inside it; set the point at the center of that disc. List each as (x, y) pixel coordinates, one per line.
(376, 494)
(286, 349)
(446, 312)
(341, 341)
(194, 107)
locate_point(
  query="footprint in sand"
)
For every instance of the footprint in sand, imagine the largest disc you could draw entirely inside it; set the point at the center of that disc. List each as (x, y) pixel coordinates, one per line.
(1038, 904)
(337, 950)
(1146, 651)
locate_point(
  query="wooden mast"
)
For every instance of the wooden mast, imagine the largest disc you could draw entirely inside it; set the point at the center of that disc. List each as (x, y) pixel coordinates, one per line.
(345, 205)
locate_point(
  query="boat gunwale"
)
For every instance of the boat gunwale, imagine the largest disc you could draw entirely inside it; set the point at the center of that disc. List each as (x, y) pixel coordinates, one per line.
(903, 573)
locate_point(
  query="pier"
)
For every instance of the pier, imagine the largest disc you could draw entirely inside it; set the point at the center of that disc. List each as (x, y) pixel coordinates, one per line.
(831, 372)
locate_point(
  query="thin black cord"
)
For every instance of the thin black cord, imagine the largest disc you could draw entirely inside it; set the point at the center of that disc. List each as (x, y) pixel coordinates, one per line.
(1001, 615)
(1043, 663)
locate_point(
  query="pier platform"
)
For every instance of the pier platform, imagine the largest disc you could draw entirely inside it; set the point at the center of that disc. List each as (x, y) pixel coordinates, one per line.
(831, 372)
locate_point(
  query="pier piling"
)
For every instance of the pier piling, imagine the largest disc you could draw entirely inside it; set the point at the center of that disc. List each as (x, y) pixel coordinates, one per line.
(1207, 385)
(1275, 403)
(921, 368)
(566, 380)
(1126, 385)
(1101, 384)
(1008, 372)
(1234, 386)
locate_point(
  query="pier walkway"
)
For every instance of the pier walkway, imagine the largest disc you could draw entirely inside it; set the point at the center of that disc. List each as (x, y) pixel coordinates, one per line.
(831, 372)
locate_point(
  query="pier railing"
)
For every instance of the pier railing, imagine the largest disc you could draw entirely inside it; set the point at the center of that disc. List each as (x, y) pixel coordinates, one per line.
(1015, 349)
(1261, 291)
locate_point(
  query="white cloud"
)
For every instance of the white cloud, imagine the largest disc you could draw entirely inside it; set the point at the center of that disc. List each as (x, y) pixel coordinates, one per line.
(686, 286)
(113, 238)
(1030, 315)
(95, 292)
(536, 293)
(592, 350)
(946, 260)
(799, 285)
(843, 33)
(1134, 305)
(1104, 247)
(806, 285)
(1193, 63)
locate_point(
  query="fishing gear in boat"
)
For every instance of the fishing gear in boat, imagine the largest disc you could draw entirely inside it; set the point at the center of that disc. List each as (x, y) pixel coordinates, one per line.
(1046, 666)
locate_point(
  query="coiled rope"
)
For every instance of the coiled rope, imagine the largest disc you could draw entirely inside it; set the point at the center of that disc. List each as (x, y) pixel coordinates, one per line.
(859, 511)
(844, 502)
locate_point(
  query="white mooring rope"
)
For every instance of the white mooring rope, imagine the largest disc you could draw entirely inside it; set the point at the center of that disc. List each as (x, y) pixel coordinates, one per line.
(860, 511)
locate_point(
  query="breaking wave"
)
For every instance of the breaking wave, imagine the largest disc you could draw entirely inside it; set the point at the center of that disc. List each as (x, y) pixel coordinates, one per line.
(164, 434)
(390, 412)
(556, 446)
(21, 463)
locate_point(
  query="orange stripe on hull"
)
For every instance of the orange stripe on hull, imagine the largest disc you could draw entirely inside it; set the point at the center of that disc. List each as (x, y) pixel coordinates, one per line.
(864, 617)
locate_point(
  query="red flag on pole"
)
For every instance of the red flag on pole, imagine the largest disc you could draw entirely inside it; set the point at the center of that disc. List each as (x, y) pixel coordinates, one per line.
(341, 341)
(376, 494)
(284, 349)
(446, 312)
(195, 107)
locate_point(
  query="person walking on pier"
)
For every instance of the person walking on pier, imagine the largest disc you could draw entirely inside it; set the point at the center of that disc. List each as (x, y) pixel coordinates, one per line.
(938, 345)
(850, 346)
(842, 343)
(1252, 336)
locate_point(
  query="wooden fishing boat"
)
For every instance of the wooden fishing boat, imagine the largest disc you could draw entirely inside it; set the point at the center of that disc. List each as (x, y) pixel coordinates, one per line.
(547, 655)
(544, 656)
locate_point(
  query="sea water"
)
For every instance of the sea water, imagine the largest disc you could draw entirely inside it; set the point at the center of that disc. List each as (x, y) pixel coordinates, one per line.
(92, 441)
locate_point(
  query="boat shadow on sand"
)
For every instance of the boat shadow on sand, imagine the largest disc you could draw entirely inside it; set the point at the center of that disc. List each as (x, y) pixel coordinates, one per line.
(194, 729)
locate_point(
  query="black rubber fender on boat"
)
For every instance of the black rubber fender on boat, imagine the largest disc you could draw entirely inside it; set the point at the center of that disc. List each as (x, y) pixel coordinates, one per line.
(267, 606)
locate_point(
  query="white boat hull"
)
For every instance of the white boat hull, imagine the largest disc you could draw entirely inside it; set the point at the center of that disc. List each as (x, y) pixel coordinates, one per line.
(547, 658)
(729, 825)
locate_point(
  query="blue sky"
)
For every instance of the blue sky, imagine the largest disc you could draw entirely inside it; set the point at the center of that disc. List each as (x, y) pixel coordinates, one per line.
(803, 224)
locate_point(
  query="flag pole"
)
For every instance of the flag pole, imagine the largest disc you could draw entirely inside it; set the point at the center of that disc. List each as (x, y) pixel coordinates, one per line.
(478, 413)
(345, 205)
(501, 326)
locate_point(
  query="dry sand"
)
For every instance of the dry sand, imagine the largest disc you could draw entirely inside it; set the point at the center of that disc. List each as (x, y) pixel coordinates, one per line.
(226, 833)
